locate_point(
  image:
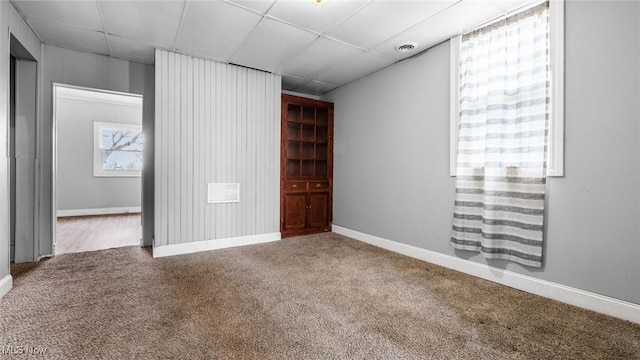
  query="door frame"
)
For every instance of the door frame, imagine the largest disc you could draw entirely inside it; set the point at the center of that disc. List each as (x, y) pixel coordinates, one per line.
(54, 154)
(22, 56)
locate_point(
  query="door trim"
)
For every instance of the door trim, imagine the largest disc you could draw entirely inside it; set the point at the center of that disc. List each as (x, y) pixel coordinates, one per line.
(54, 152)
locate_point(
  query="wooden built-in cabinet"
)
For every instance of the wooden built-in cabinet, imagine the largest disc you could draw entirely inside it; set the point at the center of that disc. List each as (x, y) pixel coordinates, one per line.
(306, 173)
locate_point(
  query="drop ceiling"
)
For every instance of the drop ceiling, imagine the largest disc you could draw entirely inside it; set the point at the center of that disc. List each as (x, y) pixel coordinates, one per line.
(315, 47)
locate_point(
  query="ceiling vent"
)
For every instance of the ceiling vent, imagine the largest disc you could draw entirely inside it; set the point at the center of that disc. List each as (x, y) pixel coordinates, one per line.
(407, 47)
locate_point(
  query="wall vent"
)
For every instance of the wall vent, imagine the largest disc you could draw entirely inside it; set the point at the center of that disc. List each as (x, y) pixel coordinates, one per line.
(218, 193)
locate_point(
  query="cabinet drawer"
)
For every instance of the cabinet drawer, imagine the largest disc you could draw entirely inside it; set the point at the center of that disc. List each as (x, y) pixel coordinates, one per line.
(295, 186)
(318, 185)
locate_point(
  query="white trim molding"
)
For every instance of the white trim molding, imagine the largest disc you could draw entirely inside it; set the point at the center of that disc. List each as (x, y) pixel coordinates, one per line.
(99, 211)
(555, 160)
(6, 284)
(454, 103)
(74, 92)
(215, 244)
(565, 294)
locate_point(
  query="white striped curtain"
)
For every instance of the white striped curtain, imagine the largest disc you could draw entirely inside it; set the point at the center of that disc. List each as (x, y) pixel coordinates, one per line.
(504, 111)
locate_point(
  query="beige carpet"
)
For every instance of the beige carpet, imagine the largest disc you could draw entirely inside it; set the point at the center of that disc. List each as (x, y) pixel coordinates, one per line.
(313, 297)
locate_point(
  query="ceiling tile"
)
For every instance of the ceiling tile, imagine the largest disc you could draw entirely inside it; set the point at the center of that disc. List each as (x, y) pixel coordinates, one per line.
(511, 5)
(316, 17)
(258, 5)
(363, 64)
(226, 28)
(315, 88)
(319, 57)
(128, 49)
(272, 45)
(381, 20)
(57, 34)
(462, 16)
(85, 14)
(154, 22)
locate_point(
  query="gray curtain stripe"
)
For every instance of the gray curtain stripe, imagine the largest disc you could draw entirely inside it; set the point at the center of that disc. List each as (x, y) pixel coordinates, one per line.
(504, 76)
(513, 62)
(513, 209)
(509, 92)
(467, 217)
(495, 150)
(502, 165)
(499, 121)
(503, 179)
(511, 223)
(504, 136)
(498, 222)
(465, 229)
(471, 204)
(514, 239)
(503, 251)
(509, 194)
(506, 106)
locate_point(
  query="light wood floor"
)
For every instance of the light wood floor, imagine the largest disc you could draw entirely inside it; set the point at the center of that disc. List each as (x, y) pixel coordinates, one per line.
(89, 233)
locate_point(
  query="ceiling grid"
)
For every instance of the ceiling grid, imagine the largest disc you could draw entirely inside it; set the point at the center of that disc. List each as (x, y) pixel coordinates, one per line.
(315, 47)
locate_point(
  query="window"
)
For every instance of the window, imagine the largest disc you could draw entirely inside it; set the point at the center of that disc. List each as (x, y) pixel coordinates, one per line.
(117, 150)
(555, 128)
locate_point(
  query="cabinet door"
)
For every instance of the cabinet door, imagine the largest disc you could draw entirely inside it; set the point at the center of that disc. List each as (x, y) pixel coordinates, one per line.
(295, 211)
(318, 210)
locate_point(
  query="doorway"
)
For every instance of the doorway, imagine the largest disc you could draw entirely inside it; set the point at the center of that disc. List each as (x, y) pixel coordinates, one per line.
(22, 153)
(98, 151)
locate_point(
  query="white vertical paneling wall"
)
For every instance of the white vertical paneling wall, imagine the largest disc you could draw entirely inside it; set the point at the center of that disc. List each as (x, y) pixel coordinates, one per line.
(215, 123)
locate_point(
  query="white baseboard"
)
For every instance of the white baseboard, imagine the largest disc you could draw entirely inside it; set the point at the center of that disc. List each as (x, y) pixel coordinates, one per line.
(566, 294)
(215, 244)
(99, 211)
(5, 285)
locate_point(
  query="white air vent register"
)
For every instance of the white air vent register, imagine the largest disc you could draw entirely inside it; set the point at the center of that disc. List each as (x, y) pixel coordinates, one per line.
(223, 193)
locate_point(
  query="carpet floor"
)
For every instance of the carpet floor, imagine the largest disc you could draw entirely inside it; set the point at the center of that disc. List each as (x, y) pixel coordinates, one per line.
(314, 297)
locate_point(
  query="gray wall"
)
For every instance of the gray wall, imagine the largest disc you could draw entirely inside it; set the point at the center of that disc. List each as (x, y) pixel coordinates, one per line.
(101, 72)
(215, 123)
(10, 22)
(77, 188)
(392, 156)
